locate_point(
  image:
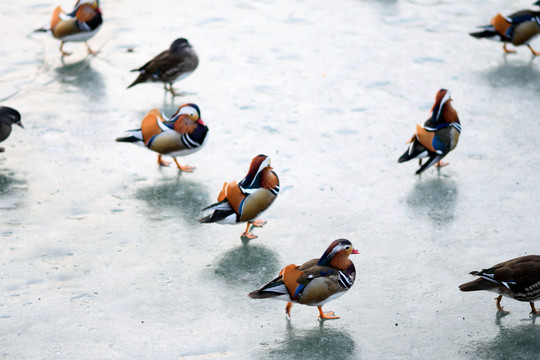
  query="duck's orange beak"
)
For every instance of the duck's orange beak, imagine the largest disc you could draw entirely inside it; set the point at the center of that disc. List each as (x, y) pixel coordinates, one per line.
(355, 251)
(200, 121)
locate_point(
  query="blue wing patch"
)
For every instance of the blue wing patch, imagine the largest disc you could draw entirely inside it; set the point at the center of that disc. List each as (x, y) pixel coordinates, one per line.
(298, 291)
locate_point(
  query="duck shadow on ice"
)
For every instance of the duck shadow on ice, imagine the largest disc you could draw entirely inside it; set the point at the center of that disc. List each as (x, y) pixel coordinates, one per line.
(251, 265)
(515, 74)
(9, 181)
(81, 75)
(174, 197)
(10, 185)
(516, 342)
(435, 198)
(318, 343)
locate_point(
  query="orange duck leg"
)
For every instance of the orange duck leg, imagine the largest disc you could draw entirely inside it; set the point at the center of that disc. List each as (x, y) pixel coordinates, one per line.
(90, 51)
(508, 51)
(534, 52)
(184, 168)
(259, 223)
(441, 164)
(247, 234)
(499, 307)
(64, 53)
(533, 309)
(162, 162)
(329, 315)
(288, 309)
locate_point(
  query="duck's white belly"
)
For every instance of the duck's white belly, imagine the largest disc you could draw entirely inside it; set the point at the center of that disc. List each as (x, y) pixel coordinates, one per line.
(82, 36)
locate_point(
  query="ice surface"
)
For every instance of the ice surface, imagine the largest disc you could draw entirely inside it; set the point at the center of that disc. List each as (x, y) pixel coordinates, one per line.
(102, 254)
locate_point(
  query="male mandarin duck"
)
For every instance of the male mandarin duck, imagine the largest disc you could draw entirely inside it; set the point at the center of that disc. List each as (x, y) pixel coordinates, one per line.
(173, 64)
(518, 279)
(8, 117)
(182, 134)
(79, 25)
(438, 136)
(245, 201)
(518, 29)
(316, 281)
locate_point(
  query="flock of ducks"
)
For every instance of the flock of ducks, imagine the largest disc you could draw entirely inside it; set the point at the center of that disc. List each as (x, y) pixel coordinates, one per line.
(320, 280)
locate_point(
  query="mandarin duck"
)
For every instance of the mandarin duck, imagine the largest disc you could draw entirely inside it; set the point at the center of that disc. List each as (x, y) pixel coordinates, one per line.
(518, 279)
(316, 281)
(173, 64)
(438, 136)
(246, 200)
(182, 134)
(79, 25)
(8, 117)
(518, 29)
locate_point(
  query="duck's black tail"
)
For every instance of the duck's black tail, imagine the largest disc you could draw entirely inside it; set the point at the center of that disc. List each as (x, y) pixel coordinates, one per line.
(413, 151)
(128, 139)
(44, 28)
(274, 288)
(433, 159)
(488, 32)
(140, 79)
(221, 210)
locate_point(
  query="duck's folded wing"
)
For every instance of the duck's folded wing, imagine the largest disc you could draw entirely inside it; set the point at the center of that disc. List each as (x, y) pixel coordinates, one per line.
(520, 275)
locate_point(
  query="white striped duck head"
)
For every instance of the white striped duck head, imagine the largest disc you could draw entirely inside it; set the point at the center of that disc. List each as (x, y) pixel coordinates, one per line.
(94, 4)
(258, 164)
(190, 111)
(443, 97)
(340, 248)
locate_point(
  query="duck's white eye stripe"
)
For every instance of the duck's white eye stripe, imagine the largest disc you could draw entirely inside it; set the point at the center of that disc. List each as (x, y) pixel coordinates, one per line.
(187, 110)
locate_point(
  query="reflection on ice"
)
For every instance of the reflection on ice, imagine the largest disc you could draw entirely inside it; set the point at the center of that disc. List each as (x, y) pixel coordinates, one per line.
(319, 343)
(81, 75)
(327, 88)
(435, 198)
(519, 342)
(252, 265)
(6, 183)
(175, 197)
(9, 184)
(515, 74)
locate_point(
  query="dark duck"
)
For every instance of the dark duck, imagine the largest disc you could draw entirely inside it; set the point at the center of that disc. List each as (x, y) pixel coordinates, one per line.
(8, 117)
(518, 279)
(171, 65)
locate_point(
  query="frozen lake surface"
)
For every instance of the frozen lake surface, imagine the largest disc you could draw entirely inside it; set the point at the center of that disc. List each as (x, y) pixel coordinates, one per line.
(102, 254)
